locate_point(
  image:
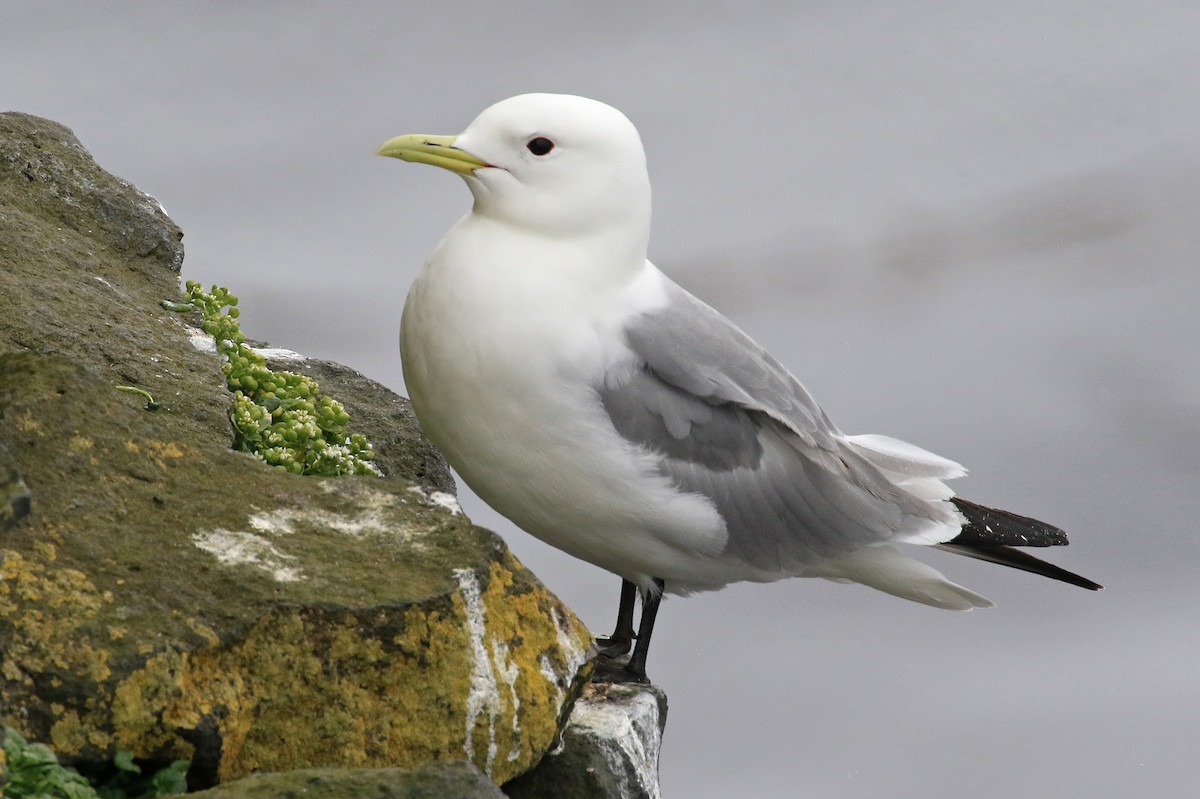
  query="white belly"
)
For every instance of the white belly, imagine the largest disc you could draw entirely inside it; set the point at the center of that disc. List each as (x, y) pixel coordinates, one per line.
(501, 378)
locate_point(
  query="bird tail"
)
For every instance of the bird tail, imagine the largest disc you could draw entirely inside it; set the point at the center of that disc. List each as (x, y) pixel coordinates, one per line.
(885, 569)
(991, 534)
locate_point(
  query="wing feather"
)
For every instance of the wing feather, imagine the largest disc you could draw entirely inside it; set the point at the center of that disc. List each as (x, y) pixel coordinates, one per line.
(730, 423)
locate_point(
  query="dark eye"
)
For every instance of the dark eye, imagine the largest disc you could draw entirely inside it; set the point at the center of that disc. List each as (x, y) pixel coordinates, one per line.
(539, 145)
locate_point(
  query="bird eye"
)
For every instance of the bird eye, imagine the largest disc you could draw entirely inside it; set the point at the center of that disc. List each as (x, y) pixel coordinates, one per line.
(539, 145)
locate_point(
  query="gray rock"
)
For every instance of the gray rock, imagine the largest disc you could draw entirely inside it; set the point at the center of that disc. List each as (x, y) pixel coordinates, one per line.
(85, 258)
(609, 749)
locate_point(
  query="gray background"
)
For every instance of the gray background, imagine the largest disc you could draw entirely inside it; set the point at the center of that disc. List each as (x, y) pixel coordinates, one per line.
(970, 225)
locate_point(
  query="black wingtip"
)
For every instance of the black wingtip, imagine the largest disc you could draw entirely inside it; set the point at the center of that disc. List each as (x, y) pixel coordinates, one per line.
(994, 527)
(1016, 559)
(991, 534)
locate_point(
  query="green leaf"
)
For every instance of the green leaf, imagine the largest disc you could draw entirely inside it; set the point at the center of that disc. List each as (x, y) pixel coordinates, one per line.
(123, 760)
(172, 780)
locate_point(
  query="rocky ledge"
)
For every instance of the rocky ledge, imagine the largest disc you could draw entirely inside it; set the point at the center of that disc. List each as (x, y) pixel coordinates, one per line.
(163, 594)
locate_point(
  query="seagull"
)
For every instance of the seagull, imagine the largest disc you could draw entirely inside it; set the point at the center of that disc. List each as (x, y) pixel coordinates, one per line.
(606, 411)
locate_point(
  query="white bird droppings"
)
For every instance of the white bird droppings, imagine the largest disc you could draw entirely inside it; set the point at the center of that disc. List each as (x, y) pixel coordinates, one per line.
(485, 693)
(439, 498)
(278, 354)
(236, 547)
(201, 340)
(260, 545)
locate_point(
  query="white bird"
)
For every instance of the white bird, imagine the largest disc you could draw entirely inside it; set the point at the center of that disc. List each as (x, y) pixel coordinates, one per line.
(605, 410)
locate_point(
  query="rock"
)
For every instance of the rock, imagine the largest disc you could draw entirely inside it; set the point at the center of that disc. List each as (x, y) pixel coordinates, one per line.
(175, 598)
(449, 780)
(15, 498)
(609, 749)
(86, 258)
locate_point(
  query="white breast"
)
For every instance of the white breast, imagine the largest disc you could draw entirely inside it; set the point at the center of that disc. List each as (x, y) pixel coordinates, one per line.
(503, 339)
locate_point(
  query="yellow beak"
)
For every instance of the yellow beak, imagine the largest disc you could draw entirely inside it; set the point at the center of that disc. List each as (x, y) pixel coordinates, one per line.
(437, 150)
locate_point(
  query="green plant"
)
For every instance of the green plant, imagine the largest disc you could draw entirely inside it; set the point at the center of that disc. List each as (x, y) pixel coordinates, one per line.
(281, 417)
(125, 779)
(35, 773)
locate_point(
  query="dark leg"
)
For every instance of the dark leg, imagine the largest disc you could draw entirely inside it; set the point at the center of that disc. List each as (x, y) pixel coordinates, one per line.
(619, 642)
(637, 663)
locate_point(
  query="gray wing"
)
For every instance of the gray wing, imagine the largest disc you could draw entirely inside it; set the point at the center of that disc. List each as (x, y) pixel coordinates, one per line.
(731, 423)
(691, 347)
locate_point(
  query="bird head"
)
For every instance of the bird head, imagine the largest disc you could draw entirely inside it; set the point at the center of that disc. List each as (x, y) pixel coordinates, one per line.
(554, 163)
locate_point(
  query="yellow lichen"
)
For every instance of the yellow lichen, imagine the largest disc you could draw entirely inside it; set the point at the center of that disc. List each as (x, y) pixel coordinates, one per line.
(519, 636)
(166, 449)
(146, 707)
(379, 706)
(366, 689)
(46, 550)
(80, 444)
(70, 733)
(160, 452)
(27, 424)
(48, 609)
(49, 636)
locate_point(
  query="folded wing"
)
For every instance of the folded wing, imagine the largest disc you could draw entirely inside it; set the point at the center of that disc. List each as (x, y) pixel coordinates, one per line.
(730, 423)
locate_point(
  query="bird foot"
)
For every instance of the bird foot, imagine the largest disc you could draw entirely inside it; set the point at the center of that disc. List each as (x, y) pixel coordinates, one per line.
(614, 646)
(608, 670)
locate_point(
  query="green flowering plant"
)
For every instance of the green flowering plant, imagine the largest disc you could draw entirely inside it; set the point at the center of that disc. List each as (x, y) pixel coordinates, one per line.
(281, 417)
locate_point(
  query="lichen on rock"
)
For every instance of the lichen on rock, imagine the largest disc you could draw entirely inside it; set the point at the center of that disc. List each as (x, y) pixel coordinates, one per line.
(170, 596)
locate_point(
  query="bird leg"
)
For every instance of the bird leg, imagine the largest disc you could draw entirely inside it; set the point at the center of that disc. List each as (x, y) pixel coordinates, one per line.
(617, 644)
(635, 669)
(637, 662)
